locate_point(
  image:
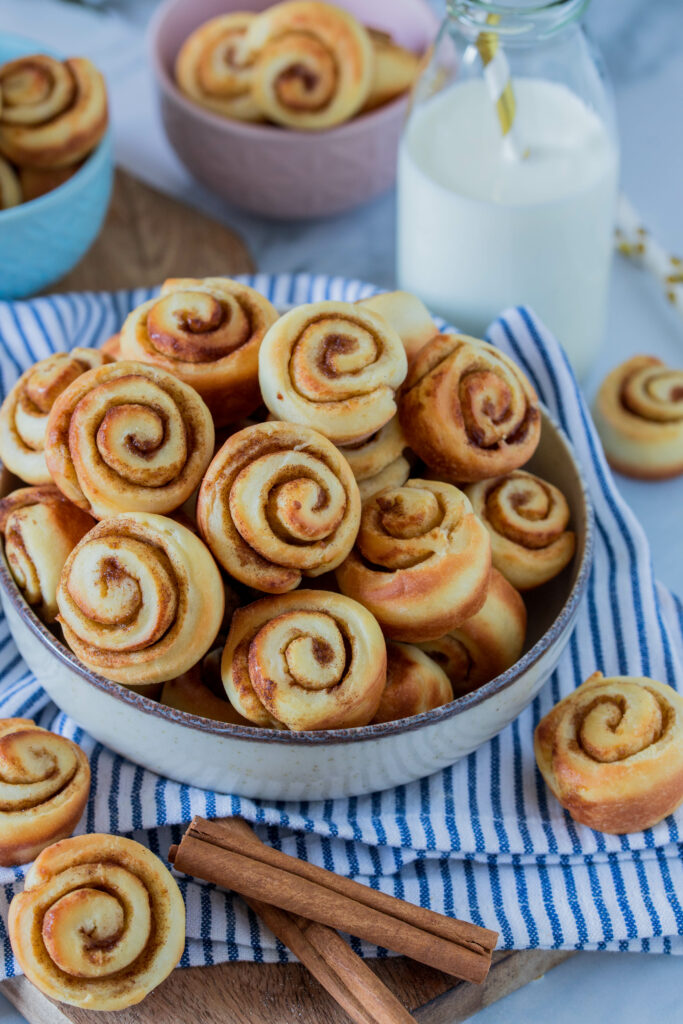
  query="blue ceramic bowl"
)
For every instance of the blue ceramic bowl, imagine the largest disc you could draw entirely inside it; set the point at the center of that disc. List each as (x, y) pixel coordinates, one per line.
(43, 239)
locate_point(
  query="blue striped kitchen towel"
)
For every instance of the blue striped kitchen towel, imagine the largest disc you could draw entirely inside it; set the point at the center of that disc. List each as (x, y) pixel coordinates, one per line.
(482, 840)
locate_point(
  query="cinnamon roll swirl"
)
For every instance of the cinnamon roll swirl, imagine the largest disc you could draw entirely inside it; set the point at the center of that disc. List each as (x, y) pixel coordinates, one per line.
(140, 599)
(378, 461)
(468, 410)
(277, 503)
(44, 787)
(25, 410)
(612, 752)
(487, 644)
(313, 64)
(639, 415)
(305, 660)
(422, 560)
(128, 437)
(11, 193)
(100, 923)
(415, 683)
(527, 520)
(53, 112)
(214, 68)
(409, 317)
(333, 366)
(41, 528)
(207, 332)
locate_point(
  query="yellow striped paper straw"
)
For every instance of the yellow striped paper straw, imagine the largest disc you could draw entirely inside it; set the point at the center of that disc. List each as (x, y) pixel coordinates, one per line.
(499, 82)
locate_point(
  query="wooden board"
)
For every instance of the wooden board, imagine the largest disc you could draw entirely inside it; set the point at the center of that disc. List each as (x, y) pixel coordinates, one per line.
(147, 237)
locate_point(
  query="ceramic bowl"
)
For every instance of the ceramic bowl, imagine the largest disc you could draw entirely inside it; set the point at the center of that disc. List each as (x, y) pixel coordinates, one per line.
(41, 240)
(284, 765)
(274, 171)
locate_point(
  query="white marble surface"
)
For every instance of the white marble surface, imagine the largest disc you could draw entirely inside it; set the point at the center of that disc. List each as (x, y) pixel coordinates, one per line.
(642, 41)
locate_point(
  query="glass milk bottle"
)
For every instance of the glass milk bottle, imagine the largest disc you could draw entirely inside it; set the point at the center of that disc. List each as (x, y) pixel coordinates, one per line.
(488, 220)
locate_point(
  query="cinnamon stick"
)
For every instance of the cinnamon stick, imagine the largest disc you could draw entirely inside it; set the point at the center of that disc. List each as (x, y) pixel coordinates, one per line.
(290, 891)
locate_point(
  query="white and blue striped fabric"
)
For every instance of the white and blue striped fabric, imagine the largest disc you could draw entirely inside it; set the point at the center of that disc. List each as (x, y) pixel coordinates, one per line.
(483, 840)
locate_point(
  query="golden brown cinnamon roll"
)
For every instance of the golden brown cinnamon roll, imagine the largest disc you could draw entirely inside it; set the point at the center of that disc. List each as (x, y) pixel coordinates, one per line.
(422, 560)
(639, 415)
(278, 502)
(100, 923)
(305, 660)
(11, 193)
(214, 68)
(112, 347)
(207, 332)
(41, 528)
(333, 366)
(409, 317)
(45, 785)
(527, 519)
(53, 112)
(468, 410)
(25, 410)
(199, 691)
(140, 599)
(394, 69)
(612, 752)
(128, 437)
(313, 64)
(487, 644)
(378, 461)
(37, 181)
(415, 683)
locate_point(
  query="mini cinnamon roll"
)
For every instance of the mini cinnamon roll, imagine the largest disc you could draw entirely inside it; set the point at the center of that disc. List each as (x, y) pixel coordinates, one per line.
(207, 332)
(10, 186)
(36, 181)
(53, 112)
(487, 644)
(394, 70)
(278, 502)
(313, 64)
(41, 528)
(527, 520)
(305, 660)
(468, 410)
(378, 461)
(44, 787)
(112, 347)
(128, 437)
(422, 560)
(214, 69)
(100, 923)
(639, 415)
(409, 317)
(333, 366)
(612, 752)
(199, 691)
(140, 599)
(415, 683)
(25, 410)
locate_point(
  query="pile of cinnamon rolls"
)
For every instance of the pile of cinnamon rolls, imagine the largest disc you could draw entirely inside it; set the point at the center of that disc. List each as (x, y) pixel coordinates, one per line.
(309, 521)
(300, 64)
(53, 113)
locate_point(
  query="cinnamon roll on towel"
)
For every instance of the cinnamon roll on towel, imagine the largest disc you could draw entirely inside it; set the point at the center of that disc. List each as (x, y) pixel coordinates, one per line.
(100, 923)
(422, 560)
(127, 437)
(305, 660)
(278, 502)
(487, 644)
(333, 366)
(527, 519)
(140, 599)
(313, 64)
(612, 752)
(25, 410)
(468, 411)
(207, 332)
(45, 787)
(415, 683)
(214, 69)
(53, 112)
(639, 415)
(41, 528)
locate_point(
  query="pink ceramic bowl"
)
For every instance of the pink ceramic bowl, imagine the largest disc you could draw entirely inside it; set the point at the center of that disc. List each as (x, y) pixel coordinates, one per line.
(280, 172)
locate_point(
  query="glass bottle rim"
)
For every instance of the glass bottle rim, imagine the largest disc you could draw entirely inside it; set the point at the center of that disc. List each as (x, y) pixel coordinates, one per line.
(517, 17)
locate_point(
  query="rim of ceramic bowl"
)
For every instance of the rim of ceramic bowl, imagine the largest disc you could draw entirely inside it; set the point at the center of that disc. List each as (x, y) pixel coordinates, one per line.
(90, 167)
(330, 736)
(248, 129)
